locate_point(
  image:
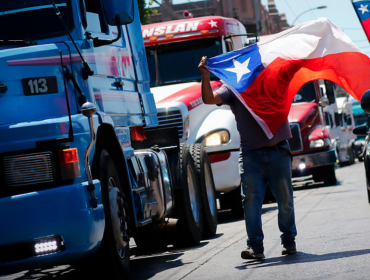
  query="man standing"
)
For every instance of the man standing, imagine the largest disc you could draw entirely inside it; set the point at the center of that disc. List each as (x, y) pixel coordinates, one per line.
(262, 162)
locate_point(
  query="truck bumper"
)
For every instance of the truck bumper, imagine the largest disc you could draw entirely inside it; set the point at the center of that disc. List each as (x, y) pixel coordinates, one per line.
(62, 212)
(225, 169)
(312, 161)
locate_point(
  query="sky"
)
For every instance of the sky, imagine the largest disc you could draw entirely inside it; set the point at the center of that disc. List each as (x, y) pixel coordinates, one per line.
(341, 12)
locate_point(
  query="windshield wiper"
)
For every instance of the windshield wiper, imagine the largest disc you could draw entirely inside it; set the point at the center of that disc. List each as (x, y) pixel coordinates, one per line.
(15, 42)
(86, 71)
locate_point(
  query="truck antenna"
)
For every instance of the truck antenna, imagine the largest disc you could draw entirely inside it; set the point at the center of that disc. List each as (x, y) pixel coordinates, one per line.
(86, 71)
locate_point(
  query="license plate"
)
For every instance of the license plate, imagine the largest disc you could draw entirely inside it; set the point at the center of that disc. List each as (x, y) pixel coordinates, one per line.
(40, 85)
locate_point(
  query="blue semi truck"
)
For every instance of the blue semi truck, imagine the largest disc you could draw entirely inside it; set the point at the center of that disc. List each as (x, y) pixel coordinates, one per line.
(84, 165)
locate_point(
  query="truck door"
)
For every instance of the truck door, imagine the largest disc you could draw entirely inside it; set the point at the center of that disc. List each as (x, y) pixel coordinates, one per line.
(113, 84)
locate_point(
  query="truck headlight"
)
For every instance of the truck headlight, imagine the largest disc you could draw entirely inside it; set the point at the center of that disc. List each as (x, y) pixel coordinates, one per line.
(319, 143)
(217, 138)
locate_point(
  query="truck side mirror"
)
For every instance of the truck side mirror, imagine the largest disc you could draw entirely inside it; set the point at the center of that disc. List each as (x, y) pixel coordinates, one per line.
(118, 12)
(329, 87)
(360, 130)
(324, 102)
(365, 101)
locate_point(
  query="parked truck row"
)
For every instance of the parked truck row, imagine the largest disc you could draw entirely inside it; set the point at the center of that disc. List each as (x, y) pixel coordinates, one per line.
(103, 140)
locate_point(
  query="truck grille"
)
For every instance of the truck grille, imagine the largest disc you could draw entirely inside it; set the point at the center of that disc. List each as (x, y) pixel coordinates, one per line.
(28, 169)
(296, 141)
(171, 117)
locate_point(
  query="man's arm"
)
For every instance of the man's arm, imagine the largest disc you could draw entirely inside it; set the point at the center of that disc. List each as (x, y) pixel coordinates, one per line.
(208, 96)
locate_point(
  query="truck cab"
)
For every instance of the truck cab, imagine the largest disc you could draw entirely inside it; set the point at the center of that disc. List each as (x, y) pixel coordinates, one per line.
(311, 143)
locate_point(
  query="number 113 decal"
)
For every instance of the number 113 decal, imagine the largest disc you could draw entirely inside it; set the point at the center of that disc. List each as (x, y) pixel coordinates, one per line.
(40, 85)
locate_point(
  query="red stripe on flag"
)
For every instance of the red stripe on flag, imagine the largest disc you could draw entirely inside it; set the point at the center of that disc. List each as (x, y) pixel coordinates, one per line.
(366, 27)
(271, 94)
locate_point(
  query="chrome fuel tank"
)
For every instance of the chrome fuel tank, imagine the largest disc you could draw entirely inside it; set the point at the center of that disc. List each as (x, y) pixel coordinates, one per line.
(152, 172)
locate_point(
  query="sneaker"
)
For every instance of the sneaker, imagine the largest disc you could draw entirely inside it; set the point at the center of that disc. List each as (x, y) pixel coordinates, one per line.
(288, 247)
(254, 253)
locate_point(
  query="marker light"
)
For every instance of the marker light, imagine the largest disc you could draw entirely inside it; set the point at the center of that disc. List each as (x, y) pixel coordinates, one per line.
(69, 164)
(153, 39)
(217, 138)
(169, 36)
(204, 31)
(302, 165)
(46, 247)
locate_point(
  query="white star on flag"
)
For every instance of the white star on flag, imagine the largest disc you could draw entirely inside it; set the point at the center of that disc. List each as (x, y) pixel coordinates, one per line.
(240, 69)
(363, 9)
(213, 23)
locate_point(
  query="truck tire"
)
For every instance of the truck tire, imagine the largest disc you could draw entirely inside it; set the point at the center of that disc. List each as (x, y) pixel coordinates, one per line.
(188, 203)
(328, 174)
(207, 189)
(114, 251)
(317, 175)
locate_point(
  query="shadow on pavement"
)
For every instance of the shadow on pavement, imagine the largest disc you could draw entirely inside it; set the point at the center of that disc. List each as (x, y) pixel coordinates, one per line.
(59, 272)
(309, 184)
(301, 257)
(162, 262)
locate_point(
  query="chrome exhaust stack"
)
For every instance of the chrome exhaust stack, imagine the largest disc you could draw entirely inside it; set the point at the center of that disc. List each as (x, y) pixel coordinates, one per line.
(88, 109)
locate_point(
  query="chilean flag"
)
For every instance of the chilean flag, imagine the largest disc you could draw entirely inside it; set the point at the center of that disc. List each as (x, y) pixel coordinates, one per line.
(362, 9)
(266, 76)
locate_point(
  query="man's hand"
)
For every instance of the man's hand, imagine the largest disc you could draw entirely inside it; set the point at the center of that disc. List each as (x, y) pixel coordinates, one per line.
(202, 66)
(208, 96)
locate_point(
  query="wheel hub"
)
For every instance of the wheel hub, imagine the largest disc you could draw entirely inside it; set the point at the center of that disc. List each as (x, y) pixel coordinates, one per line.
(118, 215)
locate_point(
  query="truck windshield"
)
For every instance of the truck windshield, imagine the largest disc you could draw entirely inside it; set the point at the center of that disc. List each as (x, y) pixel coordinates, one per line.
(178, 62)
(307, 93)
(33, 19)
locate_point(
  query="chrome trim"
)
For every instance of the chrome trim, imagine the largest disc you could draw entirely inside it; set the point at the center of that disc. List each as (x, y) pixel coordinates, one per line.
(315, 159)
(88, 109)
(161, 107)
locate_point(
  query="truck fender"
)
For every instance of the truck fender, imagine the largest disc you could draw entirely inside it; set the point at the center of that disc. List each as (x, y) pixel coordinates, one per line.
(107, 139)
(218, 120)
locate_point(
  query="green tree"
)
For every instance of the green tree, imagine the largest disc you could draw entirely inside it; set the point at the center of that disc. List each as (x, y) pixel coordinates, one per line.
(145, 11)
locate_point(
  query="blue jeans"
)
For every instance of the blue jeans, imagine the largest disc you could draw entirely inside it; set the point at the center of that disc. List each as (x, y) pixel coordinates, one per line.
(259, 168)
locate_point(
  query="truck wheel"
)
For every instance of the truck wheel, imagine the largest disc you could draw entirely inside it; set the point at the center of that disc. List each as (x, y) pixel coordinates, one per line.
(188, 203)
(207, 189)
(328, 174)
(114, 251)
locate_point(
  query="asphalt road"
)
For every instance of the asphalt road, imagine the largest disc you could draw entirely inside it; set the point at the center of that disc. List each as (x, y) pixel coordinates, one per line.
(333, 226)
